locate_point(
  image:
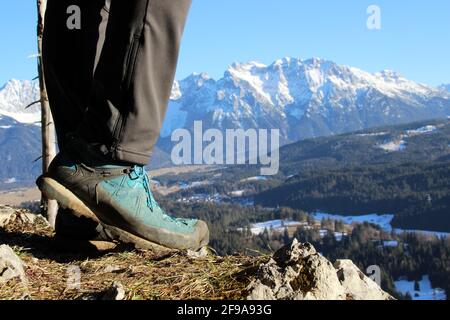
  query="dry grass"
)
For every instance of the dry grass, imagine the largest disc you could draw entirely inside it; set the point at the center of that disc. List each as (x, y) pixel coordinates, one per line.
(142, 275)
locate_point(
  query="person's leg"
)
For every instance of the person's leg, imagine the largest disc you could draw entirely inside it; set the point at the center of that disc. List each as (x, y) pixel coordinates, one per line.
(131, 88)
(69, 57)
(134, 77)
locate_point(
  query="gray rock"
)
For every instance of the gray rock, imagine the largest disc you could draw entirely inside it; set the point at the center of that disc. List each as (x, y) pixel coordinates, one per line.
(116, 292)
(356, 284)
(7, 215)
(200, 254)
(10, 265)
(298, 272)
(27, 217)
(113, 269)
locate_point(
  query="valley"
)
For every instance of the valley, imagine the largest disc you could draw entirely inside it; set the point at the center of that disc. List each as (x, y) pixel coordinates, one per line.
(363, 173)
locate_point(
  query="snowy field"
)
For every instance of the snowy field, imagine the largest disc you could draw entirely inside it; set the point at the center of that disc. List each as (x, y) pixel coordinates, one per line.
(393, 146)
(280, 225)
(275, 225)
(194, 184)
(254, 179)
(400, 144)
(384, 221)
(426, 291)
(423, 130)
(237, 193)
(375, 134)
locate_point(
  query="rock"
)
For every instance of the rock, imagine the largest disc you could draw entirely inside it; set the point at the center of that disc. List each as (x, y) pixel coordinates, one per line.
(116, 292)
(356, 284)
(202, 253)
(7, 215)
(27, 217)
(113, 269)
(10, 265)
(298, 272)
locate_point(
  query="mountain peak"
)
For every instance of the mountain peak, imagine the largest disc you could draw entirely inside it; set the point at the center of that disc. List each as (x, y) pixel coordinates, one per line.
(389, 74)
(314, 60)
(444, 87)
(322, 96)
(200, 75)
(15, 95)
(283, 61)
(195, 80)
(247, 66)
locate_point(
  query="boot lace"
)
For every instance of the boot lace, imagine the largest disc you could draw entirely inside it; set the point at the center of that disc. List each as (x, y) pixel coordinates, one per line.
(139, 172)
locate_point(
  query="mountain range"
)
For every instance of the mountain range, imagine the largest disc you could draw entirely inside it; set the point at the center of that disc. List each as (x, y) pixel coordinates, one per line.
(302, 98)
(15, 96)
(20, 146)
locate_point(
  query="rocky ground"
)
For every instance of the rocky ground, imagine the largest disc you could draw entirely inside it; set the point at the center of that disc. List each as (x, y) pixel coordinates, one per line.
(35, 265)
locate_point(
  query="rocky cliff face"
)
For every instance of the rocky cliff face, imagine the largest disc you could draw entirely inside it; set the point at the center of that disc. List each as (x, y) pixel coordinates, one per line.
(30, 256)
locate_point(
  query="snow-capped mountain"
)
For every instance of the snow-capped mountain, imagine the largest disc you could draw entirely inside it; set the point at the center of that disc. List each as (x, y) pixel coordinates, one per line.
(20, 146)
(15, 96)
(20, 138)
(303, 98)
(445, 87)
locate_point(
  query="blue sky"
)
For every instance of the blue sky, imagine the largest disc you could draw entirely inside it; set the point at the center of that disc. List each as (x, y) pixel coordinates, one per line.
(413, 40)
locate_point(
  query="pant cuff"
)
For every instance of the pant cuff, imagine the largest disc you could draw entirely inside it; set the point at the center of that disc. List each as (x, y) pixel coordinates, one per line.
(130, 156)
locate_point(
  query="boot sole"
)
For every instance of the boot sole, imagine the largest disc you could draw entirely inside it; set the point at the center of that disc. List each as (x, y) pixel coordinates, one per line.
(84, 245)
(55, 191)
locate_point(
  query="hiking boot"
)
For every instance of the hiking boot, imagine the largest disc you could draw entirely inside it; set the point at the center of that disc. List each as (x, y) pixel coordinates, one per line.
(120, 199)
(80, 234)
(70, 226)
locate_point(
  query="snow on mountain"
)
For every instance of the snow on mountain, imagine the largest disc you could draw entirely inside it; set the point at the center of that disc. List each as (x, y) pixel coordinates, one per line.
(19, 148)
(15, 96)
(393, 146)
(302, 98)
(445, 87)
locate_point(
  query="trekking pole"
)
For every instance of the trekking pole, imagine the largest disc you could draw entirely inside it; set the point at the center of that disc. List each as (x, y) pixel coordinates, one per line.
(49, 207)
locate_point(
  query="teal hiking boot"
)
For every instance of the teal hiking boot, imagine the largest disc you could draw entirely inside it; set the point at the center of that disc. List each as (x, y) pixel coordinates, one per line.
(81, 234)
(70, 226)
(120, 200)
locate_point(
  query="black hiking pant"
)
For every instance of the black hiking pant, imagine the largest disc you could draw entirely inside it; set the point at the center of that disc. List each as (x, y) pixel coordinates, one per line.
(109, 68)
